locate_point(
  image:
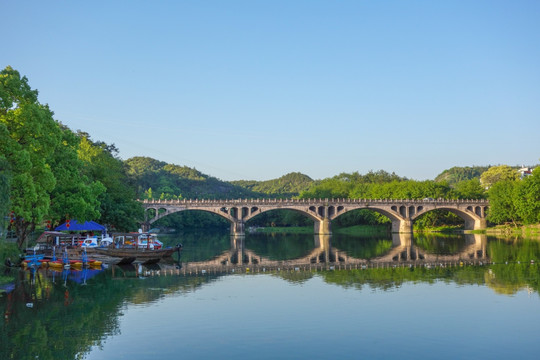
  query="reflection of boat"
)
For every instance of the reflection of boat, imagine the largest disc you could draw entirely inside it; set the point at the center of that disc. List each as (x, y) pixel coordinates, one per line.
(35, 260)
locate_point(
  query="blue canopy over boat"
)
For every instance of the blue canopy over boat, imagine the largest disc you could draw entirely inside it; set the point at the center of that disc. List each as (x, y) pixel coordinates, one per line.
(74, 225)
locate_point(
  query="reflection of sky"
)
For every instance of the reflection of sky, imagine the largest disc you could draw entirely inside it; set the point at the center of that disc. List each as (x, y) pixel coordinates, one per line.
(265, 317)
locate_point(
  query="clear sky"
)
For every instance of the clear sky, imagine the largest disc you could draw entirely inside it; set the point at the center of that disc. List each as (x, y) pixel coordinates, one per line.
(257, 89)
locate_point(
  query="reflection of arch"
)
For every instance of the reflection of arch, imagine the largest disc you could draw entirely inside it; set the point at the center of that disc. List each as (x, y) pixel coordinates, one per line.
(403, 251)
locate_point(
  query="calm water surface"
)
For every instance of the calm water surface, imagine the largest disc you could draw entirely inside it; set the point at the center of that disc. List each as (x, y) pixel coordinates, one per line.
(292, 297)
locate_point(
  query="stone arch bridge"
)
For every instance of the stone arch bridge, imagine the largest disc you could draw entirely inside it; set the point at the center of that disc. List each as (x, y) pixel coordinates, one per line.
(402, 213)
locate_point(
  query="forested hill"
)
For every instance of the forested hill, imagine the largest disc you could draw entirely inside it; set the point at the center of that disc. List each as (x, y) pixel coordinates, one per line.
(160, 180)
(288, 185)
(457, 174)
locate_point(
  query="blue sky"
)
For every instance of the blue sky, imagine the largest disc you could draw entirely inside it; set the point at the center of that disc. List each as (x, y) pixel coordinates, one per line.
(257, 89)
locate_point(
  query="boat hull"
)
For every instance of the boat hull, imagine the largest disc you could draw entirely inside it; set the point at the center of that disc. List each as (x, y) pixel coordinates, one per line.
(144, 255)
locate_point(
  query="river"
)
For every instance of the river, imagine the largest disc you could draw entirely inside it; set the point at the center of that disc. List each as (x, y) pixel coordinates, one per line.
(289, 297)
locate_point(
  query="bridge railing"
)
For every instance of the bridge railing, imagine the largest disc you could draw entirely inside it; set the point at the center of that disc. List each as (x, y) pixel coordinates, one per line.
(310, 201)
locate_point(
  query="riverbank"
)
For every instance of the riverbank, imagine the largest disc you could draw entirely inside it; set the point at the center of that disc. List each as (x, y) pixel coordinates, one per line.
(500, 230)
(511, 230)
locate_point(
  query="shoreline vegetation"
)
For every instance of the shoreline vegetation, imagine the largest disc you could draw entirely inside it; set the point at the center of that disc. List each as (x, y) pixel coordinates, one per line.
(508, 230)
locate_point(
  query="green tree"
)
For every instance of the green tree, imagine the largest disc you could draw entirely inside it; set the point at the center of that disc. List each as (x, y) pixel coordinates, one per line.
(33, 135)
(528, 198)
(470, 189)
(498, 173)
(502, 202)
(118, 205)
(4, 185)
(75, 195)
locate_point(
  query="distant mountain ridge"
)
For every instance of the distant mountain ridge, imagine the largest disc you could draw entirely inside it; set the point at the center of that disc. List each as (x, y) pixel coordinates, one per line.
(288, 185)
(158, 179)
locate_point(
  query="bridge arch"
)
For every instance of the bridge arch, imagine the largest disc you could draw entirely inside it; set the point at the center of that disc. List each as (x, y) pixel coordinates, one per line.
(474, 216)
(311, 212)
(392, 214)
(161, 215)
(258, 211)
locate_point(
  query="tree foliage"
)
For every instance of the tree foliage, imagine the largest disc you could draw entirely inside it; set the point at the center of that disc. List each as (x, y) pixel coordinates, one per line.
(117, 203)
(528, 198)
(498, 173)
(75, 194)
(32, 137)
(40, 171)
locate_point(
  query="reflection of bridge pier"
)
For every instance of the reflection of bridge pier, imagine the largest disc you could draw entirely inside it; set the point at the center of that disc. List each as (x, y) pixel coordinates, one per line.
(403, 245)
(479, 245)
(322, 246)
(238, 228)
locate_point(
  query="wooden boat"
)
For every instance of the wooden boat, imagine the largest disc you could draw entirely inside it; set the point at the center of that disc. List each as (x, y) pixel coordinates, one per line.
(140, 246)
(142, 254)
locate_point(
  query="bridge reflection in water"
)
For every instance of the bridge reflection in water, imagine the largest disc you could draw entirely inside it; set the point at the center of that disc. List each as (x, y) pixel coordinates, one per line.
(404, 253)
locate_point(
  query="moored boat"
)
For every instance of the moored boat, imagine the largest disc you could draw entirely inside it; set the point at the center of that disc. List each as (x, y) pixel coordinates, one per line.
(140, 246)
(142, 254)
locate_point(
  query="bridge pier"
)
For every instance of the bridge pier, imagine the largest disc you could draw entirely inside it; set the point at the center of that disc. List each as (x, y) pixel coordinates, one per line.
(402, 226)
(323, 227)
(476, 224)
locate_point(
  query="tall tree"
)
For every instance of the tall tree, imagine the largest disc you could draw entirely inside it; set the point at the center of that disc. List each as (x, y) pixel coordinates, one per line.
(5, 176)
(502, 202)
(33, 137)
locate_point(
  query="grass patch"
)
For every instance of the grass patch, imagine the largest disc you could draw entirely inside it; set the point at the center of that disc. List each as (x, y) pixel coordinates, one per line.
(440, 229)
